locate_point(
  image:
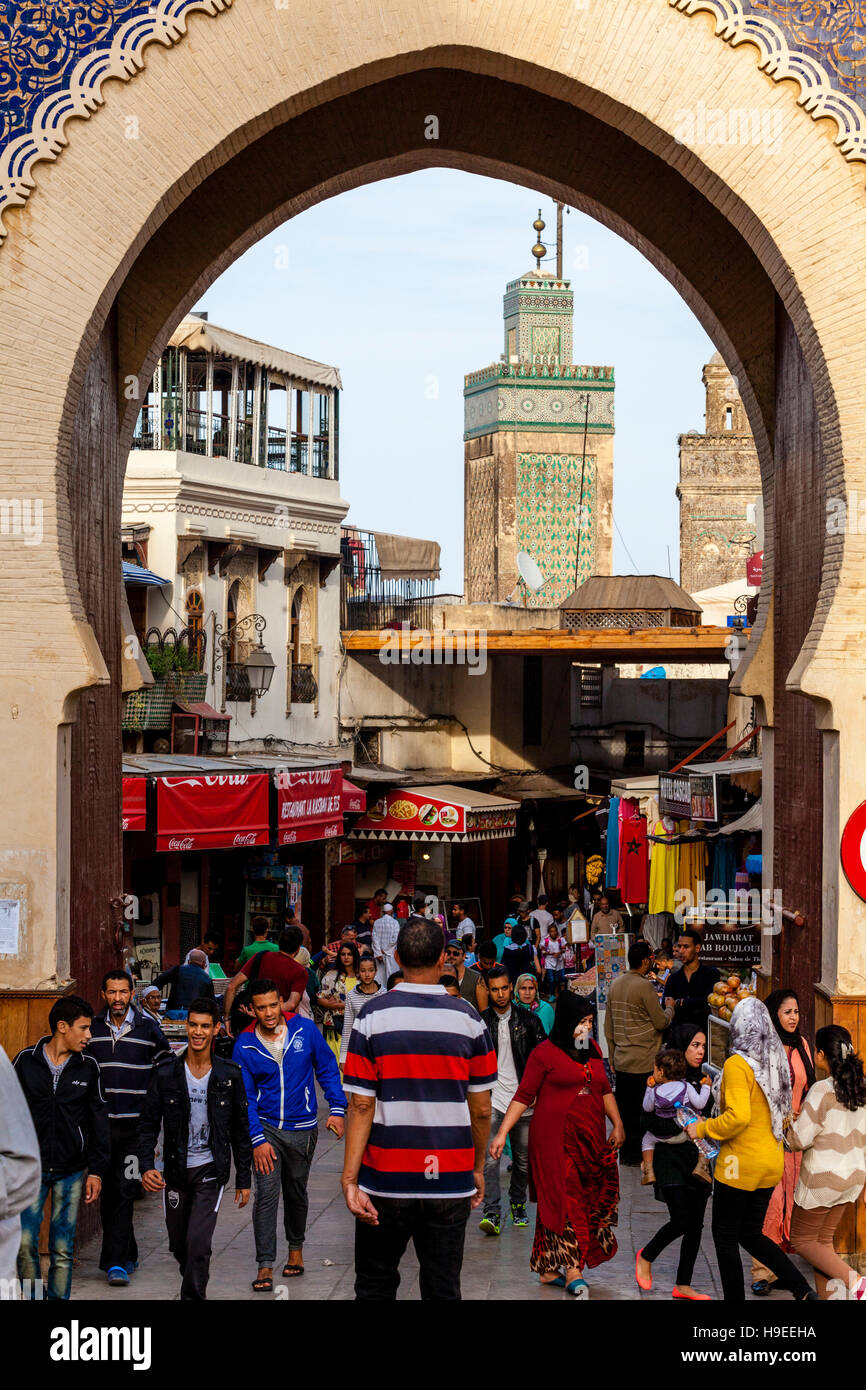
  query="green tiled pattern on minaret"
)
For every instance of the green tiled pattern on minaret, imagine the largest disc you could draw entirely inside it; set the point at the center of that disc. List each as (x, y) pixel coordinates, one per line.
(548, 486)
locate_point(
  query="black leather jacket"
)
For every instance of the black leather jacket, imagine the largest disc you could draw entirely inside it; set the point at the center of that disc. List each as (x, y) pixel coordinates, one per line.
(167, 1103)
(526, 1033)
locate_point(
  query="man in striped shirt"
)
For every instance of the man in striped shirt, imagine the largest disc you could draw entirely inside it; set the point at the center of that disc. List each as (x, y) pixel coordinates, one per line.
(419, 1070)
(126, 1043)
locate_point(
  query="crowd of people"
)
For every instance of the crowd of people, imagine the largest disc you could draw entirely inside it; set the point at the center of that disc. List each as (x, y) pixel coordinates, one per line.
(438, 1055)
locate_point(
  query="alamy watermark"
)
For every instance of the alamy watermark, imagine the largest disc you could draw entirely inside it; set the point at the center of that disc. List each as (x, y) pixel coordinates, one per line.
(418, 647)
(21, 518)
(701, 125)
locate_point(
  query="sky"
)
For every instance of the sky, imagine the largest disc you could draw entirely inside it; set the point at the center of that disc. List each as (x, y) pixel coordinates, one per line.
(400, 285)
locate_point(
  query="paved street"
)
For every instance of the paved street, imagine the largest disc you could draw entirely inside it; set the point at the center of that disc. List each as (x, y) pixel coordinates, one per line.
(491, 1268)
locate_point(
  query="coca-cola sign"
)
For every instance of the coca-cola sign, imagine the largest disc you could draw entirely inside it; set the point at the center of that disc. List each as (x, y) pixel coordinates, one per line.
(135, 803)
(212, 812)
(309, 804)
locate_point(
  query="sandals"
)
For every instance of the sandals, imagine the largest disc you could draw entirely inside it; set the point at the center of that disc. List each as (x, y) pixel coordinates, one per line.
(263, 1286)
(292, 1271)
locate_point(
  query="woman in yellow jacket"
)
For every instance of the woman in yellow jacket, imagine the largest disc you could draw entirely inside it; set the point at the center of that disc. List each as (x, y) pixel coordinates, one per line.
(755, 1105)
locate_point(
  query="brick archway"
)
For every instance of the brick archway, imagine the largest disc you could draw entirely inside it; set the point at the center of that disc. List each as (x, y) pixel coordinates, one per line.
(120, 236)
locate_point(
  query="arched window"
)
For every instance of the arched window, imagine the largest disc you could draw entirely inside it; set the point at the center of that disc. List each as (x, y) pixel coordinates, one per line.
(729, 417)
(232, 617)
(195, 624)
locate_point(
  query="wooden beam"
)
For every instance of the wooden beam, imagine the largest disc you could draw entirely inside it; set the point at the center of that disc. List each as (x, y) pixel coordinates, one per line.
(613, 644)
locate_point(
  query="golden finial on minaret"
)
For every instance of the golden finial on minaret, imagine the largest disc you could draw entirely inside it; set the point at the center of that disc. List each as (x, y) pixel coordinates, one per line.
(539, 249)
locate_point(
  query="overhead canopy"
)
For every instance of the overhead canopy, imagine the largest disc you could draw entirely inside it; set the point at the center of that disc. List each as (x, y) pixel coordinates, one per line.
(751, 821)
(404, 557)
(728, 767)
(444, 812)
(199, 335)
(137, 575)
(354, 800)
(202, 709)
(624, 591)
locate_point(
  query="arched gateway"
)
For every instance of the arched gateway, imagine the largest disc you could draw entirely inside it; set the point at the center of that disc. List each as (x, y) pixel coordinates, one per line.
(228, 118)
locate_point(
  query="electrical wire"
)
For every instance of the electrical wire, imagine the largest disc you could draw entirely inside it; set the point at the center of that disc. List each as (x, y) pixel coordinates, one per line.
(624, 546)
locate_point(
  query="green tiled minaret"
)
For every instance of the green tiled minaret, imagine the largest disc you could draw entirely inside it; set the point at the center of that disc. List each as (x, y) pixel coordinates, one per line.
(525, 420)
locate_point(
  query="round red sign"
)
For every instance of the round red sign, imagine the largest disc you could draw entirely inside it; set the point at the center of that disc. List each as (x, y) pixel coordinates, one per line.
(853, 850)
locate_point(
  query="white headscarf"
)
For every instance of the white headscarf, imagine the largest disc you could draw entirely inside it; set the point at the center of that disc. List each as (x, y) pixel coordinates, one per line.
(754, 1038)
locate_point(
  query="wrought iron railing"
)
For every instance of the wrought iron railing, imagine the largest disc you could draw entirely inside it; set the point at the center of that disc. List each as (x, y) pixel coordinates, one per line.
(195, 434)
(298, 458)
(147, 428)
(304, 687)
(320, 458)
(276, 448)
(367, 601)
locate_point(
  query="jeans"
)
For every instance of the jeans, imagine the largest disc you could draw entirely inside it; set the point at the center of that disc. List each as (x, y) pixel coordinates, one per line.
(190, 1217)
(519, 1137)
(119, 1191)
(65, 1200)
(436, 1226)
(293, 1150)
(552, 978)
(738, 1217)
(686, 1207)
(629, 1091)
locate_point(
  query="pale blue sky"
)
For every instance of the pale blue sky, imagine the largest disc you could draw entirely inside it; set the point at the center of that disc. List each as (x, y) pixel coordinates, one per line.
(400, 285)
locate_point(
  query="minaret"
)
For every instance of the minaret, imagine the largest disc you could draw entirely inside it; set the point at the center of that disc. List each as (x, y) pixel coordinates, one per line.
(529, 444)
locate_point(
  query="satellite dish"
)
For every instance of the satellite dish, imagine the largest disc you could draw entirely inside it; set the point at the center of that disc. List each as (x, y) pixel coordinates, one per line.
(529, 572)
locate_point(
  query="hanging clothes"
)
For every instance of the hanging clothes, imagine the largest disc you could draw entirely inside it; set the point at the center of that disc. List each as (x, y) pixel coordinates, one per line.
(663, 870)
(611, 873)
(633, 860)
(724, 869)
(692, 869)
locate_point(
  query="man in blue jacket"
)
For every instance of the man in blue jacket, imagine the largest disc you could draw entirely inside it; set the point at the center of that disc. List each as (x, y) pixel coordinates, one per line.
(281, 1057)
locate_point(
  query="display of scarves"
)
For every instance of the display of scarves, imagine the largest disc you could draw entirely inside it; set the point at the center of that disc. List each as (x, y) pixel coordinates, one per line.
(611, 873)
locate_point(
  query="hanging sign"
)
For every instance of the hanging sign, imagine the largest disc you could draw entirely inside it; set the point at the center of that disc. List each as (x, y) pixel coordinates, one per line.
(853, 850)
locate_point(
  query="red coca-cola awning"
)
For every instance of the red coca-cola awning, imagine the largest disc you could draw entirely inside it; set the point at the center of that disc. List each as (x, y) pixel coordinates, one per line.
(309, 804)
(354, 800)
(135, 803)
(223, 811)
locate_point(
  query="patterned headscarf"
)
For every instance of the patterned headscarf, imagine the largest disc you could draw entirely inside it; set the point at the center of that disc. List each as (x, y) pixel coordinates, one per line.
(754, 1038)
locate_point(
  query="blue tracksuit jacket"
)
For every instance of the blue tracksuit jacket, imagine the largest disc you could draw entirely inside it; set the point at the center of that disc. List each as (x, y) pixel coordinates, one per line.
(285, 1097)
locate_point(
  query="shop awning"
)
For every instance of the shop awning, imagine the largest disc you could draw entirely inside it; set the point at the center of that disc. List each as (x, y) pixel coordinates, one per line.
(750, 821)
(202, 709)
(449, 813)
(309, 804)
(220, 811)
(135, 803)
(406, 557)
(354, 800)
(136, 575)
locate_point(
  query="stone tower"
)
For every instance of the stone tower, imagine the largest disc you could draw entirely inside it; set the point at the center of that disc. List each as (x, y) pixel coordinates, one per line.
(525, 418)
(719, 479)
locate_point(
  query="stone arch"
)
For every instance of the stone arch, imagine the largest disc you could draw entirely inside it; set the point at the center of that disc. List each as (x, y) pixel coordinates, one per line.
(119, 238)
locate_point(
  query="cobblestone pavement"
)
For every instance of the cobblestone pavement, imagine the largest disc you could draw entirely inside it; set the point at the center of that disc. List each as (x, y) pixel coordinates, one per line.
(492, 1268)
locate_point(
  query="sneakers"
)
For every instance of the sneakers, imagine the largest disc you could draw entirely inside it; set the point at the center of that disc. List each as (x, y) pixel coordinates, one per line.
(518, 1214)
(117, 1276)
(489, 1225)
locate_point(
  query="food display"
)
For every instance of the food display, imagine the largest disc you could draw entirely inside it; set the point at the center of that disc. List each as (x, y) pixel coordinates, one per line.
(732, 986)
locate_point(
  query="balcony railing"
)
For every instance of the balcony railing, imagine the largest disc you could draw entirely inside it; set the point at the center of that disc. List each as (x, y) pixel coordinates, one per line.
(298, 457)
(367, 601)
(196, 432)
(147, 428)
(304, 687)
(244, 441)
(320, 458)
(276, 448)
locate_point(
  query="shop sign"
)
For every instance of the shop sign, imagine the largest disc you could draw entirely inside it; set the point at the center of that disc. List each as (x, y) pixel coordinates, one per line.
(309, 805)
(853, 850)
(755, 569)
(223, 812)
(730, 946)
(491, 820)
(135, 803)
(674, 794)
(703, 794)
(405, 810)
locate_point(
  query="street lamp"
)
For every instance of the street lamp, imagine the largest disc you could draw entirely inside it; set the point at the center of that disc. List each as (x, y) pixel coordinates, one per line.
(256, 672)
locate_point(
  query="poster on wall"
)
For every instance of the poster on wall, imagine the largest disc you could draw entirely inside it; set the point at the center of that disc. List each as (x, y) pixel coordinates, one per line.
(295, 887)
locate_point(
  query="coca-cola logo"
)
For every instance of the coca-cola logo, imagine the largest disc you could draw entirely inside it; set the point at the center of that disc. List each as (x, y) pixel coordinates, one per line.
(186, 843)
(249, 839)
(289, 837)
(332, 830)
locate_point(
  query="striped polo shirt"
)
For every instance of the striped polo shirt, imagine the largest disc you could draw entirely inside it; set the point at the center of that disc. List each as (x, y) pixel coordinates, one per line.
(126, 1058)
(420, 1052)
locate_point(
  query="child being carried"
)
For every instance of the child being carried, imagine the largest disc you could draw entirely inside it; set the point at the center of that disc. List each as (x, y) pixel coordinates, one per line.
(666, 1089)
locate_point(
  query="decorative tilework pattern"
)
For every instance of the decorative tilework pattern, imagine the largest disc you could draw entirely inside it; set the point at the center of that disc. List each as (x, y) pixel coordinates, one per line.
(548, 487)
(55, 56)
(821, 46)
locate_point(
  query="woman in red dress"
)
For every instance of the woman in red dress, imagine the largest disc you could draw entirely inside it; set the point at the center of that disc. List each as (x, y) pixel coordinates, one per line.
(573, 1173)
